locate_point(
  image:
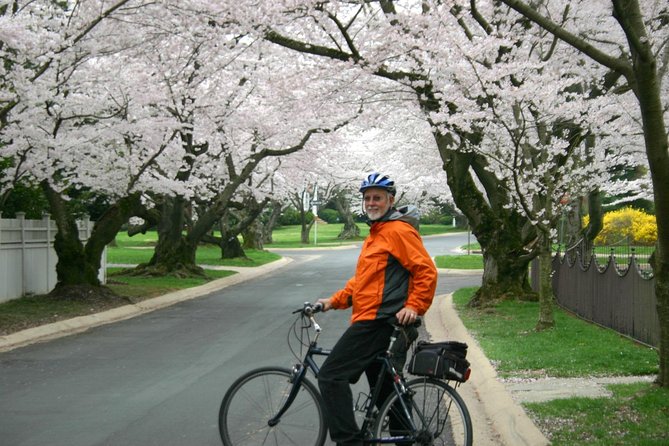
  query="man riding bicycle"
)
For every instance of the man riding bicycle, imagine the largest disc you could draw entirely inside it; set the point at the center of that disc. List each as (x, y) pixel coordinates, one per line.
(394, 277)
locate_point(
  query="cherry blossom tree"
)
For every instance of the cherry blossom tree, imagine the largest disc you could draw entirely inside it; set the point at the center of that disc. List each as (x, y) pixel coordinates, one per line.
(225, 143)
(51, 127)
(548, 130)
(158, 105)
(636, 50)
(419, 50)
(428, 48)
(387, 138)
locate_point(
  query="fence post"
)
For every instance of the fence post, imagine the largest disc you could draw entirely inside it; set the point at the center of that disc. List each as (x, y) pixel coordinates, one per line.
(46, 220)
(21, 216)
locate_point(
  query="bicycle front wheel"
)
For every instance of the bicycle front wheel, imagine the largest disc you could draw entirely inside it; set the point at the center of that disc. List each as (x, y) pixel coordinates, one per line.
(256, 397)
(435, 409)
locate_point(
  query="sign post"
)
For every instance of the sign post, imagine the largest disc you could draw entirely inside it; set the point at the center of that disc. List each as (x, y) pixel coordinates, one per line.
(315, 202)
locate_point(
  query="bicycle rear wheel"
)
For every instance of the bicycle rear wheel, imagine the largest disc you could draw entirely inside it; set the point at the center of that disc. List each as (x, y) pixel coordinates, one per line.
(256, 397)
(437, 410)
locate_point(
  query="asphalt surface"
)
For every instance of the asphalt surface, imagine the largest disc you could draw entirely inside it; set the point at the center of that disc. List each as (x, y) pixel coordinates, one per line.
(44, 383)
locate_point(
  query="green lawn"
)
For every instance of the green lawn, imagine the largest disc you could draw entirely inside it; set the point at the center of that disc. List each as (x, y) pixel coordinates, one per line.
(289, 236)
(35, 310)
(142, 287)
(206, 255)
(139, 249)
(464, 261)
(282, 237)
(636, 414)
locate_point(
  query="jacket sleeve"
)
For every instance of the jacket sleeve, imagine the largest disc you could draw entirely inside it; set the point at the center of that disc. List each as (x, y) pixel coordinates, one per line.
(407, 247)
(343, 298)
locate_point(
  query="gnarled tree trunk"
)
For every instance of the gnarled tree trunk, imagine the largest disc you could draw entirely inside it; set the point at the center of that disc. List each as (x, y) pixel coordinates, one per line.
(350, 229)
(78, 263)
(271, 223)
(504, 234)
(174, 252)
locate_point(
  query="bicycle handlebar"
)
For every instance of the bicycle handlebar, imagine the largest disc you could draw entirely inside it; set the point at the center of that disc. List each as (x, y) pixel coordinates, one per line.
(309, 309)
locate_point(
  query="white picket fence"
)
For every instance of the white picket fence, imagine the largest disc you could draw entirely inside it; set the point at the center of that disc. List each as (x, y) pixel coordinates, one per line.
(27, 257)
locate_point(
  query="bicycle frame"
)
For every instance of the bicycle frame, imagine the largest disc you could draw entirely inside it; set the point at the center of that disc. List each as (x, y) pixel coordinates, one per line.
(308, 363)
(400, 390)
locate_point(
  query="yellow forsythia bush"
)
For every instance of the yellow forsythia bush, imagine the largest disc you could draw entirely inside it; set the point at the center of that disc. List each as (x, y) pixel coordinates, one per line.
(626, 224)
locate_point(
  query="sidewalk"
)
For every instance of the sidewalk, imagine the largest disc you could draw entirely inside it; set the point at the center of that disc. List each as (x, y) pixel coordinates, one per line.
(497, 418)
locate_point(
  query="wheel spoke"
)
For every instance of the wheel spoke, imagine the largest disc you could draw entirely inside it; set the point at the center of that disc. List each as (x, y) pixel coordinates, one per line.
(257, 397)
(440, 416)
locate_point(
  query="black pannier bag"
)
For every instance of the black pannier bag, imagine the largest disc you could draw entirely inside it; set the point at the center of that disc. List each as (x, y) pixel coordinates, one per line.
(444, 360)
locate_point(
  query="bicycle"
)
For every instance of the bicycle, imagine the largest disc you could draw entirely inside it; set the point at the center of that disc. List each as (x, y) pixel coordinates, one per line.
(281, 406)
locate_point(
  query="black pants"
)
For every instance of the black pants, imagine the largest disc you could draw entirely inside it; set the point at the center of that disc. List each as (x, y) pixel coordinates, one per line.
(354, 353)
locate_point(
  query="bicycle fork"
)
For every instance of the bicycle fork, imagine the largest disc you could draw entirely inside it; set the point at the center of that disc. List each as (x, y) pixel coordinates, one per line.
(298, 374)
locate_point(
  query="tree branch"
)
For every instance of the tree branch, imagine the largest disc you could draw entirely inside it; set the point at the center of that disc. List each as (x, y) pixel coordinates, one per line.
(613, 63)
(331, 53)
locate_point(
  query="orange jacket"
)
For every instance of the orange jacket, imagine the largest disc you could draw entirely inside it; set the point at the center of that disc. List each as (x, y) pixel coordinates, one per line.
(394, 271)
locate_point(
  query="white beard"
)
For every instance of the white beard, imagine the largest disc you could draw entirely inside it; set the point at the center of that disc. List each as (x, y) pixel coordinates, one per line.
(374, 215)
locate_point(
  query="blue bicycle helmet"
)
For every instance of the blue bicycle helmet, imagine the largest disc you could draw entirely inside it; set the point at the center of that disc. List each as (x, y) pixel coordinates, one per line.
(378, 180)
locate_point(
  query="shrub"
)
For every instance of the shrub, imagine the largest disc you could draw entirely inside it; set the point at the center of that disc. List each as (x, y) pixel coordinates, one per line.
(291, 216)
(629, 225)
(436, 217)
(329, 215)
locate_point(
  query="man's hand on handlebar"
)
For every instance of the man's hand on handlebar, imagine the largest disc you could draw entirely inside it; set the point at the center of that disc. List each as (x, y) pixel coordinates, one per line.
(326, 304)
(405, 316)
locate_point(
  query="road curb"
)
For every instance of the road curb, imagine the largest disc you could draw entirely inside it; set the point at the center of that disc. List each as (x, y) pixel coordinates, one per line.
(508, 420)
(82, 323)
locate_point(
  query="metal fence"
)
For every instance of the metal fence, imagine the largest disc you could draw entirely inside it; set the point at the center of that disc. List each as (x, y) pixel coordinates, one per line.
(614, 289)
(27, 258)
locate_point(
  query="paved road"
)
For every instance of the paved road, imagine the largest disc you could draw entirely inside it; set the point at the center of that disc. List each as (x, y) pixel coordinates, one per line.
(157, 379)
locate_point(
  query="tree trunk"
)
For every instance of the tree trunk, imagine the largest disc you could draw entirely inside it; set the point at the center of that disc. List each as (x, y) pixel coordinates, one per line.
(546, 296)
(174, 252)
(73, 267)
(504, 234)
(231, 248)
(657, 149)
(350, 229)
(504, 277)
(596, 221)
(646, 84)
(271, 223)
(305, 227)
(252, 235)
(79, 264)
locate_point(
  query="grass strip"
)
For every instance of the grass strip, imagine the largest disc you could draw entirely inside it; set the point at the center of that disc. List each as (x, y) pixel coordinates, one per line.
(289, 236)
(573, 348)
(464, 261)
(134, 254)
(143, 287)
(636, 413)
(34, 310)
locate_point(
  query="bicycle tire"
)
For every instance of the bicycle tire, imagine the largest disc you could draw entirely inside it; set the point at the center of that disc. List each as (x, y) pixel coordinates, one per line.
(256, 396)
(440, 415)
